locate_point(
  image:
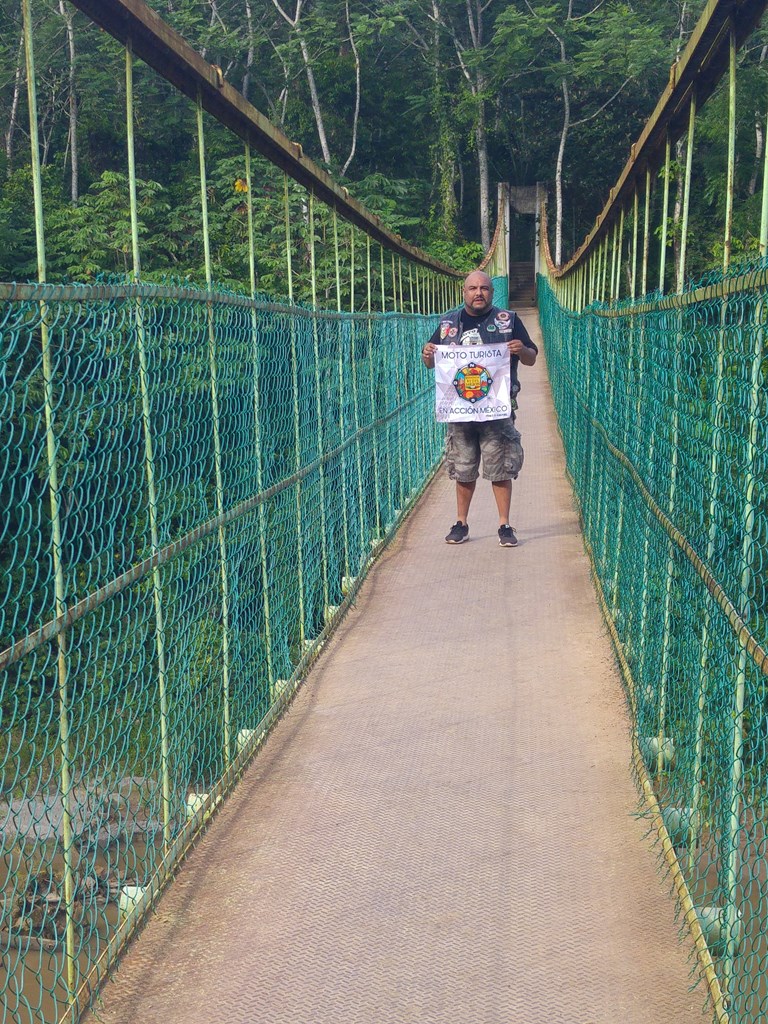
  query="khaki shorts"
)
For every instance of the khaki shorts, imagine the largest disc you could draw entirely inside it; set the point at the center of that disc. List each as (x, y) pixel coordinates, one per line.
(498, 441)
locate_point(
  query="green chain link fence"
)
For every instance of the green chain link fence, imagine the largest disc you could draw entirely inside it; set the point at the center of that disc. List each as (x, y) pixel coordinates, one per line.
(223, 473)
(663, 408)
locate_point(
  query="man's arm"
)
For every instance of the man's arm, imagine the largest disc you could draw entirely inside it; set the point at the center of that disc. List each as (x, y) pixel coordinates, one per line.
(525, 353)
(521, 345)
(428, 351)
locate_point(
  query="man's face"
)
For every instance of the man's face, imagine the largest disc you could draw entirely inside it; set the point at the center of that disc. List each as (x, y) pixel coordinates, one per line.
(478, 293)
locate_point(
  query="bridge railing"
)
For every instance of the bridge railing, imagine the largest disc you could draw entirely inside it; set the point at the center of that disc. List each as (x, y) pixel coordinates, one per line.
(663, 407)
(194, 482)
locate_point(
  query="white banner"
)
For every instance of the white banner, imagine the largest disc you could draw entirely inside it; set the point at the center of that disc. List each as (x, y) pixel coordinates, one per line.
(472, 383)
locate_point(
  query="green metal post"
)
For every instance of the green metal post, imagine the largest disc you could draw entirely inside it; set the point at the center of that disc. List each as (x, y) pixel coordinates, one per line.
(620, 247)
(318, 406)
(665, 215)
(410, 286)
(764, 206)
(614, 262)
(149, 457)
(634, 243)
(296, 418)
(646, 233)
(356, 397)
(342, 417)
(372, 396)
(225, 668)
(53, 492)
(686, 193)
(749, 548)
(728, 235)
(257, 429)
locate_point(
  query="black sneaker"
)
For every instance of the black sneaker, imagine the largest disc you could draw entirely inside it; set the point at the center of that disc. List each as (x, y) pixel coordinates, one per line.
(507, 538)
(458, 534)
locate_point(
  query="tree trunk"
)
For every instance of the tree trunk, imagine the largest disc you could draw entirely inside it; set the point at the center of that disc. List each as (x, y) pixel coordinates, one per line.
(314, 97)
(66, 14)
(14, 107)
(559, 173)
(249, 54)
(482, 168)
(356, 114)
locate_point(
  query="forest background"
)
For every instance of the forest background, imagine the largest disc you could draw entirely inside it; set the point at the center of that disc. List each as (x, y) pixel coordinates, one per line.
(419, 107)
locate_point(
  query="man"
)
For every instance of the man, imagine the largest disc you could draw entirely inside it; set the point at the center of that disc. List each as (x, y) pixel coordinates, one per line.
(479, 322)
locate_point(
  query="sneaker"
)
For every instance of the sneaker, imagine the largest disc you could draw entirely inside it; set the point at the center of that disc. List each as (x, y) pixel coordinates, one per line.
(507, 538)
(458, 534)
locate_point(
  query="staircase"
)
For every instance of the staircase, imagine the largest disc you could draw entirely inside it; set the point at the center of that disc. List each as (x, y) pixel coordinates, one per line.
(522, 285)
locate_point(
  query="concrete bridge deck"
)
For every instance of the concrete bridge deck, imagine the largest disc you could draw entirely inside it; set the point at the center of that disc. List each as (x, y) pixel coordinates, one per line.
(442, 827)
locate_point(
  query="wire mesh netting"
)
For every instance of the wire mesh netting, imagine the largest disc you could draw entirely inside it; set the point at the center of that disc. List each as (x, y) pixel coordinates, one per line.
(663, 409)
(192, 486)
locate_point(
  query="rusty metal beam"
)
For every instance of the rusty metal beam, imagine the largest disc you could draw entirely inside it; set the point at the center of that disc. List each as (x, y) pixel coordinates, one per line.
(163, 49)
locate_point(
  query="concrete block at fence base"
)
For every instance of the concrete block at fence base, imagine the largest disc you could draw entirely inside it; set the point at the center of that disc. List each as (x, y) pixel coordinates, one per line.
(244, 738)
(649, 749)
(196, 803)
(714, 924)
(330, 611)
(677, 821)
(347, 583)
(129, 899)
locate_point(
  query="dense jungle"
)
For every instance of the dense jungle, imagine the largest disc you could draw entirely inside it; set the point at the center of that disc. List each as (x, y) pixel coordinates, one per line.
(418, 106)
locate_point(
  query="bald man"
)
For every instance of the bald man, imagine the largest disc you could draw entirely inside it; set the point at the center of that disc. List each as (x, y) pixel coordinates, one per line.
(479, 322)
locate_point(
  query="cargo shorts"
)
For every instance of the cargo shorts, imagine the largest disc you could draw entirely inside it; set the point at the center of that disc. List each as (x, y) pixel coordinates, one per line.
(498, 441)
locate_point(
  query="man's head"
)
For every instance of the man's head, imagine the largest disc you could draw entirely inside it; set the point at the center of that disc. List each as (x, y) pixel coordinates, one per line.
(478, 293)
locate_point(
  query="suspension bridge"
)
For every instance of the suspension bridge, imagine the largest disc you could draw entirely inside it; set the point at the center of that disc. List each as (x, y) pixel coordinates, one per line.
(269, 745)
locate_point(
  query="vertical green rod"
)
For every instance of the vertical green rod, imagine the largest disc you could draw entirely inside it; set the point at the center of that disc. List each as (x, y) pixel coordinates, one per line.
(225, 668)
(614, 261)
(603, 287)
(356, 395)
(665, 215)
(390, 504)
(666, 637)
(764, 207)
(342, 391)
(257, 428)
(686, 194)
(318, 408)
(410, 286)
(372, 396)
(646, 233)
(621, 246)
(53, 492)
(149, 457)
(296, 417)
(728, 234)
(383, 288)
(749, 546)
(634, 242)
(398, 309)
(400, 281)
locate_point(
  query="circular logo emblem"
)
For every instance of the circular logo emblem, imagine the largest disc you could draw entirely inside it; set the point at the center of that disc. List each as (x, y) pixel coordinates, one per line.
(472, 382)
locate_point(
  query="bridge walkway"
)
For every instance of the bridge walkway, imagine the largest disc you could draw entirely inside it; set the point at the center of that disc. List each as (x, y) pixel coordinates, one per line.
(442, 828)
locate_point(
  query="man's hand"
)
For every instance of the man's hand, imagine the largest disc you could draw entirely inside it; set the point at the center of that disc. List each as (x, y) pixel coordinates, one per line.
(517, 348)
(428, 355)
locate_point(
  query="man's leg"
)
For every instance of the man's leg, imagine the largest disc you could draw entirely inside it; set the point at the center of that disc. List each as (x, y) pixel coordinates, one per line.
(464, 494)
(502, 492)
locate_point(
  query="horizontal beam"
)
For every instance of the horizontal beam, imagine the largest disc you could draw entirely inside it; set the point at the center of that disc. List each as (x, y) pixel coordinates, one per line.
(133, 23)
(699, 68)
